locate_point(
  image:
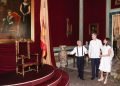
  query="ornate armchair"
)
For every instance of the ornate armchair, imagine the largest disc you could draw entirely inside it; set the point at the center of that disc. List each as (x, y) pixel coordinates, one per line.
(25, 61)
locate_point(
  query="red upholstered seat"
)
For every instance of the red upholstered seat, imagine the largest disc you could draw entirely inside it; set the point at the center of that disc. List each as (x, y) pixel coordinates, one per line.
(25, 61)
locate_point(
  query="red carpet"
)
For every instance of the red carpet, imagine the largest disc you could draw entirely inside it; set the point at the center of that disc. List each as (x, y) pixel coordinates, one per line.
(47, 76)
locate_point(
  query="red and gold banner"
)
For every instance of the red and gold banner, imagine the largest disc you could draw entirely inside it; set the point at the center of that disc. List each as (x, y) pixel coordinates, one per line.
(44, 37)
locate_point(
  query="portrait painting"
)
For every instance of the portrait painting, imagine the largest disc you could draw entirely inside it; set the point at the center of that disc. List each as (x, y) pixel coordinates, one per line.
(16, 20)
(115, 4)
(93, 28)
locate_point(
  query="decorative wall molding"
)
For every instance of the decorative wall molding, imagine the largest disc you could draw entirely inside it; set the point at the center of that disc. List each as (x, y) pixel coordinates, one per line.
(114, 10)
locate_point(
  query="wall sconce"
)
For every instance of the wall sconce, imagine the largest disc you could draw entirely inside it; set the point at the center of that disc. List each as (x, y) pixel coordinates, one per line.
(69, 27)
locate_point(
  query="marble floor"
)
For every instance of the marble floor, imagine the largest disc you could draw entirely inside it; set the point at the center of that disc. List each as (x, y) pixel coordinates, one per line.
(75, 81)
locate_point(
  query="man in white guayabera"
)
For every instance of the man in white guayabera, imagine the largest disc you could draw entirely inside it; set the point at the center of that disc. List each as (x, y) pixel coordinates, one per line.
(94, 53)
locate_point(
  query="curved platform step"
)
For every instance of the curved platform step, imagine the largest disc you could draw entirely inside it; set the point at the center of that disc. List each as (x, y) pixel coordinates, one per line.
(64, 80)
(47, 76)
(60, 78)
(54, 80)
(32, 78)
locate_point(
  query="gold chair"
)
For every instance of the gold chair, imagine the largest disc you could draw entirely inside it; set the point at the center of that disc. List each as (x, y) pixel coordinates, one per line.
(25, 61)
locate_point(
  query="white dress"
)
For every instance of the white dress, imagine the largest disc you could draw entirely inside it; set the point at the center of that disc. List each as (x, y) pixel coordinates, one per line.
(105, 62)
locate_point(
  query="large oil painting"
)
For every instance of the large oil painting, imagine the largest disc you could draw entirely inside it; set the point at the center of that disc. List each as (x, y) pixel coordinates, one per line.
(16, 20)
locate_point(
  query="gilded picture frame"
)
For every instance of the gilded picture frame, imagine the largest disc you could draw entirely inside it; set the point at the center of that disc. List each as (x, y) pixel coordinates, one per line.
(93, 28)
(12, 26)
(117, 2)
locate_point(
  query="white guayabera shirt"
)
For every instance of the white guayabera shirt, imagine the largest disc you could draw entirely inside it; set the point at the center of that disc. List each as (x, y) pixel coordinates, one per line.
(94, 48)
(79, 51)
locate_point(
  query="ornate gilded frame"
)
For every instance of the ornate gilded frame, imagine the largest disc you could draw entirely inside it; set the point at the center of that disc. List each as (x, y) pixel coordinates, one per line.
(94, 28)
(117, 2)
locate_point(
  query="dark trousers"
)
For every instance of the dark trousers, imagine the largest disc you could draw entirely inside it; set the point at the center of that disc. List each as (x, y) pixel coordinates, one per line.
(80, 66)
(95, 66)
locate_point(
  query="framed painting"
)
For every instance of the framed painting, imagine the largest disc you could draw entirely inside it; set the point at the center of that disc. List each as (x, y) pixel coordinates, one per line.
(115, 4)
(93, 28)
(16, 20)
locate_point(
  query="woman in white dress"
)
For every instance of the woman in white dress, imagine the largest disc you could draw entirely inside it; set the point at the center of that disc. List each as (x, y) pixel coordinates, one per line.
(106, 60)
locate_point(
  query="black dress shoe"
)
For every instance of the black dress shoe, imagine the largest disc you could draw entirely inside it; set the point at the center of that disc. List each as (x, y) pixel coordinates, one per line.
(96, 76)
(82, 78)
(92, 78)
